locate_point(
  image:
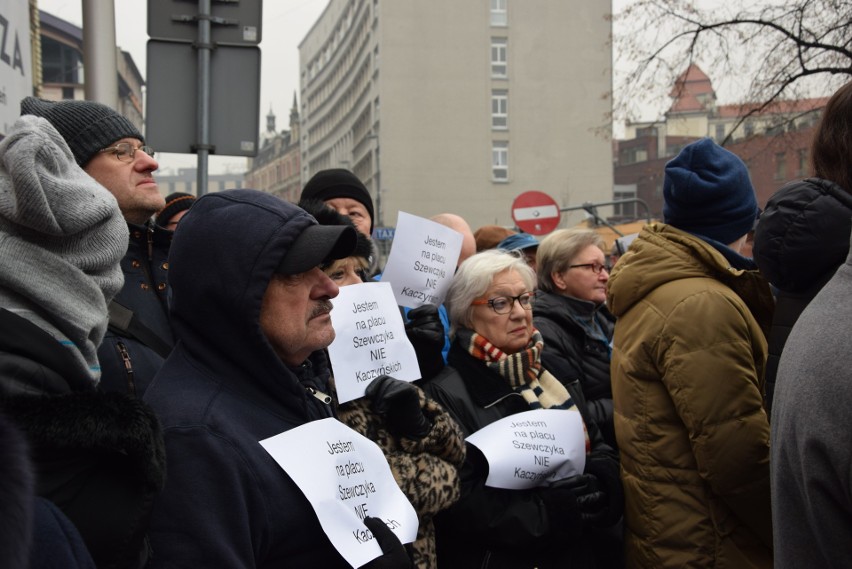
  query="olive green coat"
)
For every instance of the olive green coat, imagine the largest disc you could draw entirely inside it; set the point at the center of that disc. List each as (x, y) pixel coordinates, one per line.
(689, 353)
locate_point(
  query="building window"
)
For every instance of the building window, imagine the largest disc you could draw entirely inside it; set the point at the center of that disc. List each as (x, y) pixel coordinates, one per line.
(60, 63)
(632, 156)
(720, 132)
(500, 109)
(498, 13)
(803, 162)
(500, 161)
(780, 166)
(499, 59)
(627, 192)
(749, 129)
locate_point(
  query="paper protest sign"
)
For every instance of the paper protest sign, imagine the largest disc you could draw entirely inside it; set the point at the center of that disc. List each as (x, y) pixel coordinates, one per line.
(533, 448)
(345, 477)
(369, 340)
(422, 260)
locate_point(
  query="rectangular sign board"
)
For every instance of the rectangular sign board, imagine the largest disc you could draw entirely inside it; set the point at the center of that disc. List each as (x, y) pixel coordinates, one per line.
(172, 98)
(234, 22)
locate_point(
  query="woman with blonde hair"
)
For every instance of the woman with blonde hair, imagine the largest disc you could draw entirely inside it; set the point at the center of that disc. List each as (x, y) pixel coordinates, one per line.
(573, 319)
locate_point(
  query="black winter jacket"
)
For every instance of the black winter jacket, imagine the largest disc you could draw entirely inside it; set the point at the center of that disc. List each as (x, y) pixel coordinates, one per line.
(127, 364)
(226, 502)
(98, 456)
(801, 239)
(494, 527)
(572, 351)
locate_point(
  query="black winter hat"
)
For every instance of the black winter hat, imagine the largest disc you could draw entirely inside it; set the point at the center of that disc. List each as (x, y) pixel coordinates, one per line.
(338, 183)
(87, 127)
(327, 216)
(175, 203)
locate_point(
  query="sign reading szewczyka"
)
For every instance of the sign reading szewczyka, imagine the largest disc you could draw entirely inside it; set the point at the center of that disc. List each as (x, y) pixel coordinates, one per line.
(369, 340)
(533, 448)
(422, 260)
(346, 478)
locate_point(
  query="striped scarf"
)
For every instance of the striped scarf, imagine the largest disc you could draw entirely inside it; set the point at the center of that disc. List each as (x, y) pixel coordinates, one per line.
(524, 372)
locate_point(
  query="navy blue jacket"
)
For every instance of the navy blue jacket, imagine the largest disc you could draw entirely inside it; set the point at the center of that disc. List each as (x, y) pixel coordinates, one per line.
(801, 239)
(577, 336)
(226, 502)
(128, 365)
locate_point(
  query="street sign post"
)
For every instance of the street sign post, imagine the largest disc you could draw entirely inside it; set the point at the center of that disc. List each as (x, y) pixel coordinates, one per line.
(230, 29)
(535, 213)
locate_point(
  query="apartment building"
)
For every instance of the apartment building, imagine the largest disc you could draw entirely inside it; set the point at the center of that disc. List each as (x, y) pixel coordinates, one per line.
(460, 106)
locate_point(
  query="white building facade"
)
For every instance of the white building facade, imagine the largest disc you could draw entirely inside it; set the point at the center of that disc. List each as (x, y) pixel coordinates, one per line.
(448, 106)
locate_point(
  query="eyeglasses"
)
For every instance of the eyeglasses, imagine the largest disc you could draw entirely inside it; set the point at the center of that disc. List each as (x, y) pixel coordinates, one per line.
(126, 152)
(505, 304)
(595, 267)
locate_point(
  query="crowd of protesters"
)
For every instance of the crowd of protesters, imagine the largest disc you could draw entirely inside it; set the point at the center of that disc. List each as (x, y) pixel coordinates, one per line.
(148, 345)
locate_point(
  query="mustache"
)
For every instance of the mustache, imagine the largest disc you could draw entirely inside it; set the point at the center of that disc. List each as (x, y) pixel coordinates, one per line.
(322, 307)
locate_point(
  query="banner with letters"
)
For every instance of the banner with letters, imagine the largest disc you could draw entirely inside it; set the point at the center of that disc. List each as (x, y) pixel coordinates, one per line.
(346, 478)
(533, 448)
(422, 261)
(369, 340)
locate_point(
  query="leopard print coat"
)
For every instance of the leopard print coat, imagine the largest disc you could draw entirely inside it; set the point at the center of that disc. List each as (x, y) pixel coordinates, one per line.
(427, 470)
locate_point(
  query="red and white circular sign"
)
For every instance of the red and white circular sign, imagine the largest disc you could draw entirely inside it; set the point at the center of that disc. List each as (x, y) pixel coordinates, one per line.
(535, 212)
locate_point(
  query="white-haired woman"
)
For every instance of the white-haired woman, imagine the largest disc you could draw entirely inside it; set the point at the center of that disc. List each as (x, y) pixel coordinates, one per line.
(571, 314)
(495, 371)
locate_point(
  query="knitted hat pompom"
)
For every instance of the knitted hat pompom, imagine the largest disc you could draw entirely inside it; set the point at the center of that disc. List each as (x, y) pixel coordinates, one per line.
(707, 191)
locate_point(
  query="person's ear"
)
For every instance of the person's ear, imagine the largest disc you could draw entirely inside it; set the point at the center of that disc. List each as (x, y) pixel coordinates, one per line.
(558, 279)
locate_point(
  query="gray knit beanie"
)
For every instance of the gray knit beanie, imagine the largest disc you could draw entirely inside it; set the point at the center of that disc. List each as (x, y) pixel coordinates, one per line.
(87, 127)
(62, 237)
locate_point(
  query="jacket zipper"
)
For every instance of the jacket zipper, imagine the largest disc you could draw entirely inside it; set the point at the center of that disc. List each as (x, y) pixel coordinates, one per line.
(128, 366)
(324, 397)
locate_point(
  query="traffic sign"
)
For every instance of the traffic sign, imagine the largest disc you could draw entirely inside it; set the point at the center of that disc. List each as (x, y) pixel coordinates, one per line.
(535, 212)
(231, 22)
(172, 98)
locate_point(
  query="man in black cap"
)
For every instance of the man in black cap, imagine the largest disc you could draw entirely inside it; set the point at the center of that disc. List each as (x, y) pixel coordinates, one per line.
(177, 204)
(112, 151)
(250, 308)
(342, 191)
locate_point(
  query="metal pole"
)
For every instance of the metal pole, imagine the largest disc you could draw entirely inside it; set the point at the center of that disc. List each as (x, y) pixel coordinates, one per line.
(204, 49)
(101, 83)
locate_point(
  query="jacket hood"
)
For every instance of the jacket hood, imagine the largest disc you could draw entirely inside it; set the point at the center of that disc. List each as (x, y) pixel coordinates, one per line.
(222, 258)
(662, 254)
(803, 234)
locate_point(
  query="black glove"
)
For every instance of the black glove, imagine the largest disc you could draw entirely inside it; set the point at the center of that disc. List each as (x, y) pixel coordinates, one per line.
(605, 468)
(425, 331)
(591, 500)
(399, 402)
(395, 556)
(563, 513)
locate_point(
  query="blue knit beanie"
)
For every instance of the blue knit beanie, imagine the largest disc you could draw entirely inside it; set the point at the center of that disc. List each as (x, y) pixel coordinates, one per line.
(707, 191)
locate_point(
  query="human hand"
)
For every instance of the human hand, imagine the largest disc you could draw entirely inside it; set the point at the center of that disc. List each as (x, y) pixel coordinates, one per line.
(399, 402)
(591, 499)
(425, 331)
(394, 554)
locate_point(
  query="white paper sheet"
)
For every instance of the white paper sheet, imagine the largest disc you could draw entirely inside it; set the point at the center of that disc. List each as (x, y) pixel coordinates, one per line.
(345, 477)
(533, 448)
(369, 340)
(422, 260)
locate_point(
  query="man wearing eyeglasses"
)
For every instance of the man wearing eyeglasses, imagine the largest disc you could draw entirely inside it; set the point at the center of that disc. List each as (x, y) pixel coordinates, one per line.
(112, 151)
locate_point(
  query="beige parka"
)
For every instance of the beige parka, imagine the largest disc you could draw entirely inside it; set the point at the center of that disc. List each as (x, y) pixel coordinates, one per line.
(689, 352)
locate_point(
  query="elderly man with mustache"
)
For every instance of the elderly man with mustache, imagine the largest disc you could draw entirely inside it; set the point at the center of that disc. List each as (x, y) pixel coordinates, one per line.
(250, 310)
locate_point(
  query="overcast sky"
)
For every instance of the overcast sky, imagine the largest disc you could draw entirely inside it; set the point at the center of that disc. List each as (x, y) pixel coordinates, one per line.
(285, 24)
